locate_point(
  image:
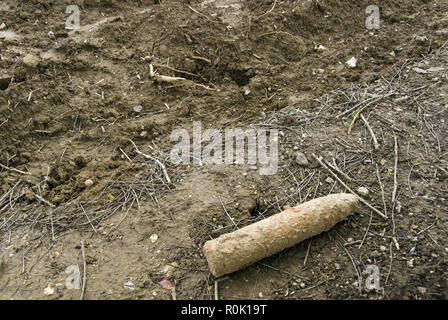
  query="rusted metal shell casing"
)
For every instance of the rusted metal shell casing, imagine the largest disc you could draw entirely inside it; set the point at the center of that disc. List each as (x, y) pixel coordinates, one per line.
(241, 248)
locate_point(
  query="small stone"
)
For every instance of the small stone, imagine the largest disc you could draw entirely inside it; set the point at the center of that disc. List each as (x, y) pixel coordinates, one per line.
(329, 180)
(301, 159)
(2, 26)
(260, 294)
(421, 39)
(338, 266)
(154, 238)
(49, 290)
(302, 285)
(383, 248)
(138, 108)
(129, 285)
(31, 61)
(362, 191)
(419, 70)
(88, 183)
(422, 290)
(352, 62)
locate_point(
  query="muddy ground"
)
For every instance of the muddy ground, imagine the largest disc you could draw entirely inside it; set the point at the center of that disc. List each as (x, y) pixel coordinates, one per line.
(71, 101)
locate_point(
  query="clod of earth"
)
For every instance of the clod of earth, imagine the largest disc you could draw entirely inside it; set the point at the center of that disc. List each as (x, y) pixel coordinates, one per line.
(31, 61)
(239, 249)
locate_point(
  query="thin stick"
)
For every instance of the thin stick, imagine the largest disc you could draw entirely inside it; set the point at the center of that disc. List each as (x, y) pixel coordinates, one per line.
(52, 227)
(217, 281)
(394, 193)
(375, 141)
(201, 59)
(390, 266)
(44, 201)
(367, 231)
(124, 153)
(85, 272)
(307, 252)
(88, 219)
(335, 168)
(382, 190)
(13, 169)
(216, 290)
(273, 6)
(153, 159)
(228, 215)
(365, 106)
(173, 291)
(348, 189)
(354, 265)
(176, 70)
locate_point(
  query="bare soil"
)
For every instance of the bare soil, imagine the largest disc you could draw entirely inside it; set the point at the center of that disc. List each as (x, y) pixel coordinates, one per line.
(249, 64)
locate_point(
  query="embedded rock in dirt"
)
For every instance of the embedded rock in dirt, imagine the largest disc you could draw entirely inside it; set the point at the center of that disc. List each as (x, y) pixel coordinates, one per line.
(31, 61)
